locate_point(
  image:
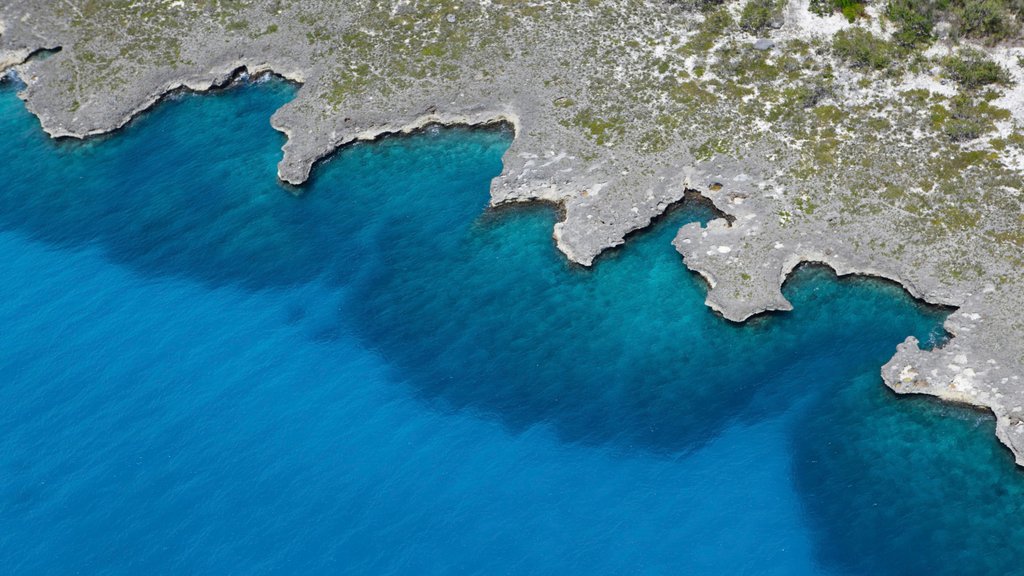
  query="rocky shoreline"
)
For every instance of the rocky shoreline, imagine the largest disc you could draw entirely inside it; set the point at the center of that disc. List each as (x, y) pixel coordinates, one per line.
(619, 110)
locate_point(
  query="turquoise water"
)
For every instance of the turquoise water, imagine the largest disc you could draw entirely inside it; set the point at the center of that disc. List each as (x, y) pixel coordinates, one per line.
(200, 373)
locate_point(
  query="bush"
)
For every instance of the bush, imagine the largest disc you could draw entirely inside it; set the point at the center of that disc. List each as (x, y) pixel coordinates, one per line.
(964, 129)
(972, 69)
(702, 5)
(850, 8)
(862, 49)
(989, 20)
(914, 21)
(759, 14)
(965, 122)
(714, 25)
(822, 7)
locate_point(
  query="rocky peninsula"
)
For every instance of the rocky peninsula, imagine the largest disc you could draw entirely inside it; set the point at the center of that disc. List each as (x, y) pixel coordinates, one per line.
(878, 138)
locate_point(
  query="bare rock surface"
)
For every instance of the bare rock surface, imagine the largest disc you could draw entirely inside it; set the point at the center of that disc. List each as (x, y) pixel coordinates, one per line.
(620, 108)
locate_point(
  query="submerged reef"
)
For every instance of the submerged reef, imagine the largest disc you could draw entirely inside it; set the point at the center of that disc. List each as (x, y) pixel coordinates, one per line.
(878, 138)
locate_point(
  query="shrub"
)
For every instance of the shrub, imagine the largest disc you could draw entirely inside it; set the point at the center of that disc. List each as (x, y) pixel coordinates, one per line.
(914, 21)
(965, 121)
(992, 21)
(759, 14)
(972, 69)
(702, 5)
(850, 8)
(822, 7)
(989, 20)
(862, 49)
(714, 25)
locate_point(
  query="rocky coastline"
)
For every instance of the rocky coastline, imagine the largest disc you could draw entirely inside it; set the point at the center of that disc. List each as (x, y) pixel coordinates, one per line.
(620, 109)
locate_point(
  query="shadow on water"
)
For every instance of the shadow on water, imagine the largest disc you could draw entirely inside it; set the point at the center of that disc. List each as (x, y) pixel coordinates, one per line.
(477, 310)
(474, 309)
(907, 486)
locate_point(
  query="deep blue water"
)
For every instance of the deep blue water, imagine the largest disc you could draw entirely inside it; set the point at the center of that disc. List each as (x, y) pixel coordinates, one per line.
(201, 373)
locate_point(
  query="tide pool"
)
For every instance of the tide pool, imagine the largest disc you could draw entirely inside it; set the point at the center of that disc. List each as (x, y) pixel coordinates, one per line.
(202, 373)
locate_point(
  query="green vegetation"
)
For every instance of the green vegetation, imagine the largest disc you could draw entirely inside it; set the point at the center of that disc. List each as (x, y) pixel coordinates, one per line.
(714, 25)
(758, 15)
(862, 49)
(990, 21)
(966, 118)
(914, 21)
(602, 131)
(710, 148)
(962, 124)
(684, 92)
(972, 69)
(805, 205)
(702, 5)
(849, 8)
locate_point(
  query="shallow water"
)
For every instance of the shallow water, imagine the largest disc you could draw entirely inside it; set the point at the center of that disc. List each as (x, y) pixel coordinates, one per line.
(204, 374)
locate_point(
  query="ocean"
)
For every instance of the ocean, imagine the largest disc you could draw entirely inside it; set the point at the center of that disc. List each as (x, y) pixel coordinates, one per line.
(203, 373)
